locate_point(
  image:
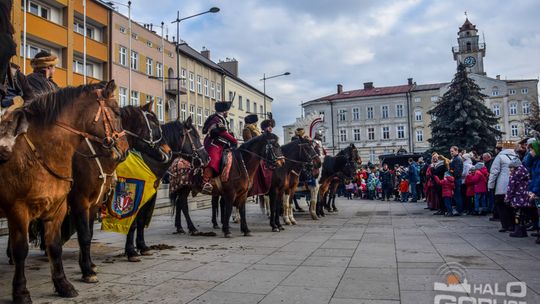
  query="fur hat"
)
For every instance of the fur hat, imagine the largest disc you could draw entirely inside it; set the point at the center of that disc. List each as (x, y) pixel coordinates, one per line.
(222, 106)
(267, 123)
(515, 163)
(251, 119)
(43, 60)
(299, 132)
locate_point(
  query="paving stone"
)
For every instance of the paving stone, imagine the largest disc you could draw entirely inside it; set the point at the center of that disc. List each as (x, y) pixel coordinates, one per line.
(298, 295)
(253, 281)
(309, 276)
(369, 283)
(172, 291)
(221, 297)
(215, 271)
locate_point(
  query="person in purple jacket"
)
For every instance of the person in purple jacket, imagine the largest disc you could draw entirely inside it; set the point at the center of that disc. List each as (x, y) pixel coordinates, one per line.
(517, 194)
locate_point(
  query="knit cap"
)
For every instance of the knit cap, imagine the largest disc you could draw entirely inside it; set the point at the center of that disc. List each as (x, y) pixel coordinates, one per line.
(515, 163)
(479, 165)
(536, 147)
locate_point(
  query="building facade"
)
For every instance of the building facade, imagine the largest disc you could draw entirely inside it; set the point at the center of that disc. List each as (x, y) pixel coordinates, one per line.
(57, 26)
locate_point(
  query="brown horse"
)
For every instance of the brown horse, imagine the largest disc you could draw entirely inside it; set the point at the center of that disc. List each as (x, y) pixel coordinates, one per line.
(37, 176)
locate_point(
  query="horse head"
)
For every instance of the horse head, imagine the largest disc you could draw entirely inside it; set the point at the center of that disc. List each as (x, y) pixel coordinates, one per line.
(144, 130)
(185, 142)
(307, 152)
(266, 147)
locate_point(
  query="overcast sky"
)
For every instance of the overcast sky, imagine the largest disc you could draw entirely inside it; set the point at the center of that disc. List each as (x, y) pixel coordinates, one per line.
(326, 42)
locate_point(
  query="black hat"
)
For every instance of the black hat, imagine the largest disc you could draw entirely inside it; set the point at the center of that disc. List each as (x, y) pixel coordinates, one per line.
(251, 118)
(267, 123)
(223, 106)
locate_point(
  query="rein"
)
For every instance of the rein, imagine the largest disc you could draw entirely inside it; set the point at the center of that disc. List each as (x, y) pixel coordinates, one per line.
(152, 142)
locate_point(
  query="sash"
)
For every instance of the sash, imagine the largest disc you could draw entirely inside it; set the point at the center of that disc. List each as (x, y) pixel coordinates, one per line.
(134, 187)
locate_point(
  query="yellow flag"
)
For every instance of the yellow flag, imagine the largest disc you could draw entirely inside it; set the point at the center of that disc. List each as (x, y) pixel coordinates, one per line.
(135, 186)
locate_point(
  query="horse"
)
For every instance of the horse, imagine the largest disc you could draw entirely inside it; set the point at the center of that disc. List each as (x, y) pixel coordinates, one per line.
(37, 176)
(298, 153)
(344, 164)
(184, 141)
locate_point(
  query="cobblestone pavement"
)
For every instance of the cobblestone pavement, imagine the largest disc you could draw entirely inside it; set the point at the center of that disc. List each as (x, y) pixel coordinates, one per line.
(369, 252)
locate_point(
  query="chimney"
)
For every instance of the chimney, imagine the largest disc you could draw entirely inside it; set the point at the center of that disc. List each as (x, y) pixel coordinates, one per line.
(206, 53)
(410, 81)
(339, 88)
(498, 77)
(368, 85)
(231, 65)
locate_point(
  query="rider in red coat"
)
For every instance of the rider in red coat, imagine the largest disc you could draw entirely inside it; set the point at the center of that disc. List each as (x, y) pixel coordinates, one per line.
(218, 137)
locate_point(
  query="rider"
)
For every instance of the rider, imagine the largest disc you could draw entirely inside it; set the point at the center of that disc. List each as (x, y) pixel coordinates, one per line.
(317, 139)
(298, 134)
(218, 137)
(250, 129)
(268, 125)
(41, 80)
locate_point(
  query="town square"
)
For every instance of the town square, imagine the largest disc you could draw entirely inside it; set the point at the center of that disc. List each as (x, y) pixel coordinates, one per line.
(253, 151)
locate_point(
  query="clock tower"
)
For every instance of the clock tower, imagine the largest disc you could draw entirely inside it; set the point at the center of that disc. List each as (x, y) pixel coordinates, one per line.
(469, 51)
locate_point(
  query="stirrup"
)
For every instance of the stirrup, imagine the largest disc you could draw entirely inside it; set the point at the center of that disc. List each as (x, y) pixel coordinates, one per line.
(207, 189)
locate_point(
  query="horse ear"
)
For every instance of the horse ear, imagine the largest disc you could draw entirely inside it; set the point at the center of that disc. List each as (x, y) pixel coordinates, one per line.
(188, 123)
(108, 91)
(148, 107)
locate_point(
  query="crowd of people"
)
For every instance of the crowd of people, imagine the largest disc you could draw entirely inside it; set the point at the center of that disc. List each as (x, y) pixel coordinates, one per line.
(505, 185)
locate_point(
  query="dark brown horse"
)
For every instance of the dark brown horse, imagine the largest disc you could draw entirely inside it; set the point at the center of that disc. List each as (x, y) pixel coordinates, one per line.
(37, 176)
(343, 165)
(298, 154)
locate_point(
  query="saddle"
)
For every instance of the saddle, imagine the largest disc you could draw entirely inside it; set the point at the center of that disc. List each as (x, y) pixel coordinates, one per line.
(225, 166)
(12, 125)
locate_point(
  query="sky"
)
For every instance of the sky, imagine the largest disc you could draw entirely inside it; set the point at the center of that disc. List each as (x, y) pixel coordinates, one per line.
(323, 43)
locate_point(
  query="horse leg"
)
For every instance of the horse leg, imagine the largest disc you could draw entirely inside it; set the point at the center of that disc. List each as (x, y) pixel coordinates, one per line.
(8, 251)
(184, 207)
(266, 200)
(53, 243)
(262, 205)
(82, 224)
(285, 205)
(288, 198)
(91, 230)
(178, 215)
(226, 210)
(243, 221)
(215, 210)
(18, 231)
(273, 210)
(144, 215)
(130, 251)
(279, 209)
(313, 202)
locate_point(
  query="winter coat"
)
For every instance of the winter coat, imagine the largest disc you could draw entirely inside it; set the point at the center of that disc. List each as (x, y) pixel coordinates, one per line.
(533, 166)
(386, 178)
(479, 180)
(414, 175)
(467, 165)
(404, 186)
(447, 185)
(500, 172)
(469, 185)
(372, 181)
(456, 167)
(517, 193)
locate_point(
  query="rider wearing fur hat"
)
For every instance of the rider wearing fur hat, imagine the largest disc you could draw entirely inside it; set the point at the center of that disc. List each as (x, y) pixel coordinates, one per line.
(251, 130)
(218, 137)
(41, 80)
(268, 125)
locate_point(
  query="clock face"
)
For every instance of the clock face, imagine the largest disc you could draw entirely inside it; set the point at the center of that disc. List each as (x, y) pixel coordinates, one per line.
(469, 61)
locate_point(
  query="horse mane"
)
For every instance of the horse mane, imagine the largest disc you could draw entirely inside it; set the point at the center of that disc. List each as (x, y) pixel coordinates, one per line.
(45, 108)
(173, 131)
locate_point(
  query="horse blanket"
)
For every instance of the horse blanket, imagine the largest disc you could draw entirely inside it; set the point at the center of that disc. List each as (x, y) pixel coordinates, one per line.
(261, 181)
(135, 186)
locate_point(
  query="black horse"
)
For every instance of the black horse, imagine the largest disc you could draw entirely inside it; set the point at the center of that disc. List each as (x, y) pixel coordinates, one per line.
(343, 165)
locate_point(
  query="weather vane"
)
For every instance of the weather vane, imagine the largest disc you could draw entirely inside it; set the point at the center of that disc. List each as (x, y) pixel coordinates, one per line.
(466, 14)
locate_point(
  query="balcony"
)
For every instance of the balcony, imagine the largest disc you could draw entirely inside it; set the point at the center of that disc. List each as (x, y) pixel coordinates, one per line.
(171, 87)
(94, 48)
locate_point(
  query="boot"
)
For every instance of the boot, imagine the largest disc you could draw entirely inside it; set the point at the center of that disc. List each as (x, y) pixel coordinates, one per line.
(519, 232)
(208, 174)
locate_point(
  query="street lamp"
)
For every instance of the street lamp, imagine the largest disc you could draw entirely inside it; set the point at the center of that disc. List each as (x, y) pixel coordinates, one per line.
(177, 46)
(128, 5)
(264, 86)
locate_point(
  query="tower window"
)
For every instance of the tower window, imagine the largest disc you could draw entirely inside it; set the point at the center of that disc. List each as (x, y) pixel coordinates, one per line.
(469, 48)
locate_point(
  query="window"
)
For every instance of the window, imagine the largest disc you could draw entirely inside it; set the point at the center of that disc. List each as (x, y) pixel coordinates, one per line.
(149, 98)
(254, 107)
(78, 27)
(526, 107)
(342, 135)
(122, 93)
(524, 91)
(400, 132)
(134, 60)
(149, 66)
(199, 116)
(78, 67)
(417, 99)
(32, 50)
(173, 110)
(206, 88)
(512, 92)
(386, 132)
(498, 127)
(371, 133)
(240, 125)
(183, 112)
(122, 30)
(213, 90)
(122, 56)
(420, 135)
(356, 114)
(356, 134)
(513, 108)
(384, 111)
(134, 36)
(495, 93)
(192, 111)
(231, 94)
(399, 110)
(218, 92)
(199, 84)
(149, 43)
(514, 130)
(372, 156)
(184, 77)
(39, 10)
(248, 106)
(370, 113)
(240, 103)
(527, 130)
(135, 98)
(191, 82)
(341, 114)
(418, 115)
(261, 110)
(496, 109)
(159, 69)
(231, 124)
(434, 98)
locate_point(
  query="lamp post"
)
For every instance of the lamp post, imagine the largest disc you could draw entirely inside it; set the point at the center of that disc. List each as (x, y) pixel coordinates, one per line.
(177, 46)
(264, 87)
(128, 5)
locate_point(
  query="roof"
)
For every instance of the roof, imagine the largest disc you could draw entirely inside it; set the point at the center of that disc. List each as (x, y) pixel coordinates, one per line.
(467, 25)
(375, 91)
(231, 75)
(190, 52)
(521, 80)
(429, 87)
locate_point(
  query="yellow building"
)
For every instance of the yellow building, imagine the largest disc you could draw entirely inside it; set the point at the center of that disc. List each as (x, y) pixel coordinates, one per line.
(57, 26)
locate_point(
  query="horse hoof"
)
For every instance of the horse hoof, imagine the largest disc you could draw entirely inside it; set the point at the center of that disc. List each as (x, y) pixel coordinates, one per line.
(179, 231)
(66, 290)
(335, 210)
(91, 279)
(275, 229)
(22, 298)
(293, 222)
(134, 259)
(228, 235)
(94, 267)
(146, 252)
(248, 233)
(314, 217)
(287, 223)
(216, 226)
(281, 228)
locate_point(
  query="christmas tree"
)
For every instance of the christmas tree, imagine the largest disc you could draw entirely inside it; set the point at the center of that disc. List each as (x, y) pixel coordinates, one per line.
(461, 118)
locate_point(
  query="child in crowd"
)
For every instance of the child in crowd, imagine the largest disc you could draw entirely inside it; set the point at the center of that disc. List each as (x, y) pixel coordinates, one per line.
(479, 181)
(404, 190)
(517, 194)
(469, 192)
(350, 189)
(448, 185)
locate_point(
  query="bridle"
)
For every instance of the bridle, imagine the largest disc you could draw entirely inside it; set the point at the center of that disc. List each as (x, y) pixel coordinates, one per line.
(151, 141)
(111, 134)
(304, 151)
(194, 157)
(269, 157)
